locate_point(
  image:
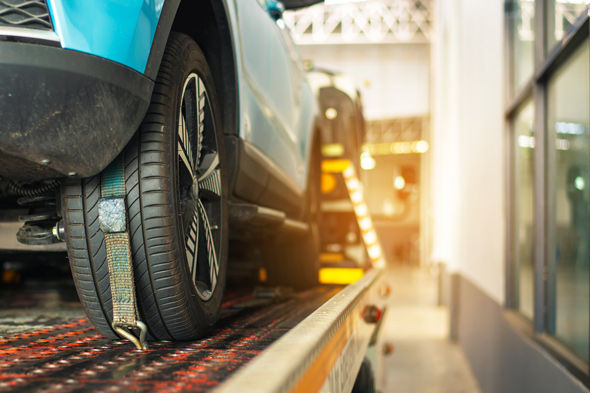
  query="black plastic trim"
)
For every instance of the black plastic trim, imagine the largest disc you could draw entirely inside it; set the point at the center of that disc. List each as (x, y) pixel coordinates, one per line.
(64, 112)
(208, 23)
(294, 4)
(161, 38)
(259, 218)
(254, 179)
(229, 79)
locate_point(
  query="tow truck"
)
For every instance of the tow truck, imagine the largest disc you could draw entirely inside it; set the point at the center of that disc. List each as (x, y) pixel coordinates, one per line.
(271, 340)
(267, 340)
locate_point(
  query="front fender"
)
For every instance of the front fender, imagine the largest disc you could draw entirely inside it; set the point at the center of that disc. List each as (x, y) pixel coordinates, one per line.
(118, 30)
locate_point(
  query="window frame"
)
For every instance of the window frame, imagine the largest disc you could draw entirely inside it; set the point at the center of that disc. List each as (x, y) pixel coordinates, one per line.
(546, 64)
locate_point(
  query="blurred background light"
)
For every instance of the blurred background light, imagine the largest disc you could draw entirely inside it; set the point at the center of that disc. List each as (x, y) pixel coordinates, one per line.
(526, 141)
(331, 113)
(367, 161)
(422, 146)
(383, 149)
(399, 183)
(333, 150)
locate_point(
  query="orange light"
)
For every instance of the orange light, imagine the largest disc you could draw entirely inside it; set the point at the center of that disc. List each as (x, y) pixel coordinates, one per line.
(340, 275)
(262, 276)
(331, 257)
(335, 165)
(329, 183)
(355, 190)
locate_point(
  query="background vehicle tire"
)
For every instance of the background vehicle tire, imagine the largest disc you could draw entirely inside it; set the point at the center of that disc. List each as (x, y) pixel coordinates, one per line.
(365, 379)
(177, 208)
(292, 260)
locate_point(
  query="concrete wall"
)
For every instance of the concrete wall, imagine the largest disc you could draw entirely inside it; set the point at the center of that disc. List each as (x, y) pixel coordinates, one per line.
(503, 358)
(468, 142)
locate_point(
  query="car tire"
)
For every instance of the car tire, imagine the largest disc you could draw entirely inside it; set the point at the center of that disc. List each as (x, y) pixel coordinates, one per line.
(177, 204)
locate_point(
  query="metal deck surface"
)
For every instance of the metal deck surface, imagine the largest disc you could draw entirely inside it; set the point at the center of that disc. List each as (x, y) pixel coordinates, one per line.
(57, 350)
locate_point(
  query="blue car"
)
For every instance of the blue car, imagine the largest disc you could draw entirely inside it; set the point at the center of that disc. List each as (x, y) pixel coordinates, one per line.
(205, 107)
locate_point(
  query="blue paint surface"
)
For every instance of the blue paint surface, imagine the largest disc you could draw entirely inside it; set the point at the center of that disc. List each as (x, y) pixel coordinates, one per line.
(118, 30)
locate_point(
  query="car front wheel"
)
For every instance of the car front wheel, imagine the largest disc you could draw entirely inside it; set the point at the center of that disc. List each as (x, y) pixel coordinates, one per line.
(176, 186)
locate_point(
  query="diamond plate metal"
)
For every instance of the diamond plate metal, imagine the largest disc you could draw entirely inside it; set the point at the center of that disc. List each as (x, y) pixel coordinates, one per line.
(72, 356)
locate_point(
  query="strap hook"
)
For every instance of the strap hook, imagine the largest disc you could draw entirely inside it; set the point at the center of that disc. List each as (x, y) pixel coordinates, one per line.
(141, 342)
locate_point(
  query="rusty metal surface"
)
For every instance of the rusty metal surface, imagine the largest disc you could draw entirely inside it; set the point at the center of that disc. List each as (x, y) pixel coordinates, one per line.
(57, 356)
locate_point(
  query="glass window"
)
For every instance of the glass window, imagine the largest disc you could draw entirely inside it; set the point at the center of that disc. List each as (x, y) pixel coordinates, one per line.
(524, 164)
(561, 16)
(522, 20)
(568, 121)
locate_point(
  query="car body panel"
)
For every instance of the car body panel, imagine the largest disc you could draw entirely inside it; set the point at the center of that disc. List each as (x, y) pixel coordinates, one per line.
(121, 30)
(276, 107)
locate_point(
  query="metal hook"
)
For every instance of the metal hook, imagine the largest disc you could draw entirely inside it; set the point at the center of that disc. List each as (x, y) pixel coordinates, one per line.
(140, 343)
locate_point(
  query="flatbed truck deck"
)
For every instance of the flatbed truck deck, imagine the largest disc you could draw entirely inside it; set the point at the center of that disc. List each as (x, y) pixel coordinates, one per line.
(318, 327)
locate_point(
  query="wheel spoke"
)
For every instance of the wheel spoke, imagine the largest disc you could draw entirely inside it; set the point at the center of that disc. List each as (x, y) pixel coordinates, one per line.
(207, 166)
(211, 183)
(211, 252)
(200, 110)
(184, 146)
(192, 244)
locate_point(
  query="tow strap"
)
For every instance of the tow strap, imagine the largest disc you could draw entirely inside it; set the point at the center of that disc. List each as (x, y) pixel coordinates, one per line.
(113, 222)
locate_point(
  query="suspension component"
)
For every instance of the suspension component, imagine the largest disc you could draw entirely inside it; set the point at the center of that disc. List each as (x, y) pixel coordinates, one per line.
(38, 228)
(31, 190)
(59, 231)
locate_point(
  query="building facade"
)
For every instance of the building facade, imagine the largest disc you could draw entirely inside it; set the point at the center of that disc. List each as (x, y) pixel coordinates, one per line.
(510, 170)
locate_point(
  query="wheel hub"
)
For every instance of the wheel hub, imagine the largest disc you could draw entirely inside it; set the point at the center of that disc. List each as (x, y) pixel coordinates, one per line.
(195, 188)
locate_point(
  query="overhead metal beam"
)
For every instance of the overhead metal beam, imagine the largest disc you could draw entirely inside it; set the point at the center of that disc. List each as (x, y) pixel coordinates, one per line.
(377, 21)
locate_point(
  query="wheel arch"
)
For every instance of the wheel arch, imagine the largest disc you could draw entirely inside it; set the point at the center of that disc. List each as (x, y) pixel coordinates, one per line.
(207, 23)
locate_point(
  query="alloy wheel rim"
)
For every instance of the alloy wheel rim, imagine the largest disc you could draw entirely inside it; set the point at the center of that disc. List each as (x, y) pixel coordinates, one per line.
(201, 191)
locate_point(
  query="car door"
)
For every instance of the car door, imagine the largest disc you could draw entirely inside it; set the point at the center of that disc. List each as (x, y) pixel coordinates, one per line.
(278, 120)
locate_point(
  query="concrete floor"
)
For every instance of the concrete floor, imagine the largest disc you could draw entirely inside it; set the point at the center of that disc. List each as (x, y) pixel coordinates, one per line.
(423, 360)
